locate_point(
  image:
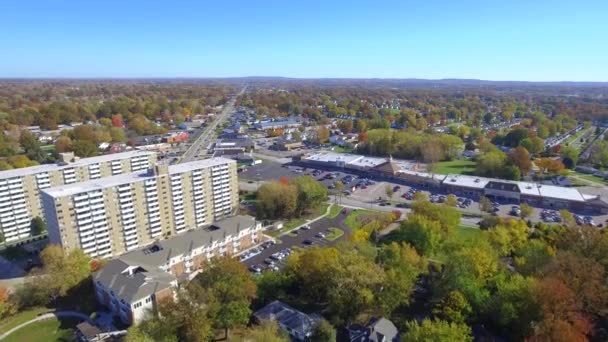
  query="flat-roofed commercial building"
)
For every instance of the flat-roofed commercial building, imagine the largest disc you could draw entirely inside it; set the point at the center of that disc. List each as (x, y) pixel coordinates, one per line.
(110, 216)
(543, 195)
(20, 188)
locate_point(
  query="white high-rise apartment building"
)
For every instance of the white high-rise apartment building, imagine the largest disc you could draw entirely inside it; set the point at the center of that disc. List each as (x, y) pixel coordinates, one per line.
(20, 188)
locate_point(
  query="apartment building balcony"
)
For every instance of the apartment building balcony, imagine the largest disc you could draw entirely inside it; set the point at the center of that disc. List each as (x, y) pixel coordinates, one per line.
(96, 200)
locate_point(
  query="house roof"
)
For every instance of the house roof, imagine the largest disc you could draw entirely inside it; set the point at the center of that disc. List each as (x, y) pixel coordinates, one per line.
(135, 285)
(288, 317)
(377, 330)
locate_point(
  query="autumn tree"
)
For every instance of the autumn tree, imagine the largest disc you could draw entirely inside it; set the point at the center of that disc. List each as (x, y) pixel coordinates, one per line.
(402, 265)
(548, 165)
(424, 234)
(436, 330)
(451, 200)
(228, 291)
(63, 144)
(267, 331)
(453, 308)
(520, 157)
(508, 236)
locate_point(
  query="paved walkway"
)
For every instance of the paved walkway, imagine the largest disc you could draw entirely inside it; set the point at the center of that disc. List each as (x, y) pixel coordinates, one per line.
(43, 317)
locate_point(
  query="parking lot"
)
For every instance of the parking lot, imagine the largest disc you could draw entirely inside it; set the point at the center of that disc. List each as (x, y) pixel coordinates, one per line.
(305, 238)
(371, 191)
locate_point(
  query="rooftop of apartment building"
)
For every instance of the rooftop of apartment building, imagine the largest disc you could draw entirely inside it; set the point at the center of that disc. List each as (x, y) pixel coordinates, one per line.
(108, 182)
(77, 162)
(136, 274)
(132, 282)
(159, 253)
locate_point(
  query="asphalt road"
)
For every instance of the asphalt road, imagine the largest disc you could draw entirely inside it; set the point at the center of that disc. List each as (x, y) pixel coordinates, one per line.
(198, 147)
(290, 241)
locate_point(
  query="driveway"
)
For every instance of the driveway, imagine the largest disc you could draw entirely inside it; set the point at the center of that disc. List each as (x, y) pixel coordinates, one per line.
(290, 240)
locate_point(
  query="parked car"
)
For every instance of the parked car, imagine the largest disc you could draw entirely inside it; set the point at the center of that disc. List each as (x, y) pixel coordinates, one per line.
(255, 268)
(308, 242)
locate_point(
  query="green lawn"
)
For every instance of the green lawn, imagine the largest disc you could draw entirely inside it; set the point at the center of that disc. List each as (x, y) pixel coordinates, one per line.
(340, 149)
(590, 178)
(335, 233)
(463, 233)
(291, 224)
(356, 218)
(21, 317)
(334, 211)
(48, 330)
(459, 167)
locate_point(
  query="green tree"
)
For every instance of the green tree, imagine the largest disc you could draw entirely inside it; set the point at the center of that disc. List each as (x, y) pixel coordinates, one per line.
(37, 226)
(310, 193)
(276, 200)
(491, 164)
(402, 265)
(84, 148)
(526, 210)
(436, 330)
(567, 217)
(533, 256)
(229, 290)
(470, 269)
(324, 332)
(267, 331)
(388, 191)
(570, 157)
(118, 134)
(449, 217)
(534, 145)
(451, 200)
(425, 234)
(508, 236)
(453, 308)
(485, 204)
(31, 146)
(513, 306)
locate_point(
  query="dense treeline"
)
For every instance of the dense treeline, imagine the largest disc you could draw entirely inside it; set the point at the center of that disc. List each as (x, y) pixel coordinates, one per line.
(48, 104)
(110, 111)
(432, 106)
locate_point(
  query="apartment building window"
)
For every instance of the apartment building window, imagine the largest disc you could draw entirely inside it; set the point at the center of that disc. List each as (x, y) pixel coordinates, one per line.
(148, 300)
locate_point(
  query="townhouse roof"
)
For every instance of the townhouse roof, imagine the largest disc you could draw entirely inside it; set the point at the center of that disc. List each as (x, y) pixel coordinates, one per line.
(159, 253)
(137, 274)
(131, 282)
(80, 162)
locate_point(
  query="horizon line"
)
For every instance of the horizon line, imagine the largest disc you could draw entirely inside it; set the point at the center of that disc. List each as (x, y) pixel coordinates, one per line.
(42, 78)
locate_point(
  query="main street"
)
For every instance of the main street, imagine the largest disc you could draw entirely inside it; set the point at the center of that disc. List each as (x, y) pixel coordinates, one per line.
(199, 146)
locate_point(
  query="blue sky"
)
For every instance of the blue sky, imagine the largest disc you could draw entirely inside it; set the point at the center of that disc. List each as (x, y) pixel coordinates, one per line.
(534, 40)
